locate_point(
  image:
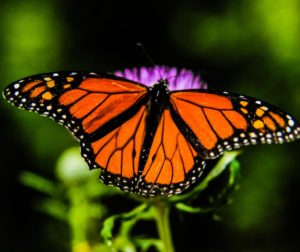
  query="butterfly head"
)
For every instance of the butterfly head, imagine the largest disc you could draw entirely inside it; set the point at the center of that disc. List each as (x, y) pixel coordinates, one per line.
(162, 85)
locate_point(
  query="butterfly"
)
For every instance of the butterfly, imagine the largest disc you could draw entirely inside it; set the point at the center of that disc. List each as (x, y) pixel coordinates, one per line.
(150, 140)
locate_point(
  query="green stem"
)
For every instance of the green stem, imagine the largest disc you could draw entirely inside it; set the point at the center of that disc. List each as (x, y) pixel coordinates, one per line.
(162, 214)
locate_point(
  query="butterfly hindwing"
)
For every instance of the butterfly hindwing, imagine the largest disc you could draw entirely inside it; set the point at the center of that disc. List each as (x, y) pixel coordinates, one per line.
(220, 121)
(172, 164)
(118, 152)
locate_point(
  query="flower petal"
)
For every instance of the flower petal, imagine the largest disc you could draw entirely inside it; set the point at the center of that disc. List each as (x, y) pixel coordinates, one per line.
(179, 79)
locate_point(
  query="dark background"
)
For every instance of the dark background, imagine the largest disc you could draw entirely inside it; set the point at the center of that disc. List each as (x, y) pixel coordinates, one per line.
(247, 47)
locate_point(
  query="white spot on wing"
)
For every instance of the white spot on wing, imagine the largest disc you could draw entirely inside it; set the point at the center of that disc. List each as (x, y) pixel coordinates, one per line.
(291, 123)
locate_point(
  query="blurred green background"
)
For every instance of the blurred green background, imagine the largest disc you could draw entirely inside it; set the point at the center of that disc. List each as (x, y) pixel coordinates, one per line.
(250, 47)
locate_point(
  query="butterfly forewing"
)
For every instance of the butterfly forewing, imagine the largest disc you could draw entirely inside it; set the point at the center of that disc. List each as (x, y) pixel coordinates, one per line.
(221, 121)
(83, 102)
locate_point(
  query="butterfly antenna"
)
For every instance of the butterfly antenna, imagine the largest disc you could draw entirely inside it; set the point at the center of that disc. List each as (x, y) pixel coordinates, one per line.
(145, 52)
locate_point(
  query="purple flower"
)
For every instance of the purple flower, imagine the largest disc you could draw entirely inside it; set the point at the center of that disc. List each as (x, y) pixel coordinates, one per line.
(178, 79)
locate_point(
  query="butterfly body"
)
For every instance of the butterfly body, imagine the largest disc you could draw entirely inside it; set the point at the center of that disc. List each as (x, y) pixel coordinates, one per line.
(150, 140)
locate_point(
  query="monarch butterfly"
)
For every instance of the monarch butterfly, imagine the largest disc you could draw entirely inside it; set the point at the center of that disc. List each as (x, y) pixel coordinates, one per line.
(150, 140)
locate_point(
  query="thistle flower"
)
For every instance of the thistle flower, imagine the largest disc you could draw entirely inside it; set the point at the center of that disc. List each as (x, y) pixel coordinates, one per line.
(178, 78)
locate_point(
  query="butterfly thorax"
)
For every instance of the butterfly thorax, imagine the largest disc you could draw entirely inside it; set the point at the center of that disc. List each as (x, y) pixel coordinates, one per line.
(158, 102)
(159, 92)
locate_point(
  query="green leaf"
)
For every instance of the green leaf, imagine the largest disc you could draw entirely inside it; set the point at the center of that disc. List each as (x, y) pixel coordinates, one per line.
(234, 172)
(107, 229)
(146, 244)
(39, 183)
(54, 208)
(130, 218)
(222, 164)
(190, 209)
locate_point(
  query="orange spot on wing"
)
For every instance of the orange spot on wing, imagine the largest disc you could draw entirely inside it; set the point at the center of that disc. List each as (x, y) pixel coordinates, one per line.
(37, 91)
(47, 95)
(69, 79)
(245, 111)
(51, 83)
(67, 86)
(110, 86)
(259, 112)
(71, 96)
(244, 103)
(204, 99)
(30, 85)
(269, 122)
(258, 124)
(278, 119)
(219, 123)
(236, 119)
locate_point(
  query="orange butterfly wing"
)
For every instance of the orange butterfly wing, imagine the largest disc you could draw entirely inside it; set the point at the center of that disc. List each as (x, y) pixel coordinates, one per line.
(172, 164)
(222, 121)
(118, 152)
(83, 99)
(103, 111)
